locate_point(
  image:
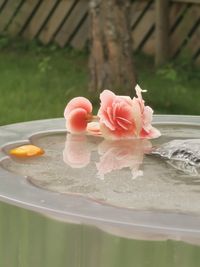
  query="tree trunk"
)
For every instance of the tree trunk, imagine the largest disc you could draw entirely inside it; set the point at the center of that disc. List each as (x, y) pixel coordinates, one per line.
(111, 56)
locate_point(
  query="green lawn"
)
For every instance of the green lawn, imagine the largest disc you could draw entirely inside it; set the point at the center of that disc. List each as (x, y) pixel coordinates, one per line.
(37, 82)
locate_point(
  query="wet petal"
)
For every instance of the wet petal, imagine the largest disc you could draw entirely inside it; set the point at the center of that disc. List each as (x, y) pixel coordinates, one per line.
(137, 115)
(150, 134)
(139, 91)
(77, 121)
(148, 114)
(78, 102)
(106, 97)
(94, 128)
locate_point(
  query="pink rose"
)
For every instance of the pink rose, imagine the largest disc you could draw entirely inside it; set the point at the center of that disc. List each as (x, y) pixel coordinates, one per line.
(120, 116)
(77, 114)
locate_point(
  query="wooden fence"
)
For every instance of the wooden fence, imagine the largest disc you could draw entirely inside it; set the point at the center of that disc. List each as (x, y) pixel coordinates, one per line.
(66, 22)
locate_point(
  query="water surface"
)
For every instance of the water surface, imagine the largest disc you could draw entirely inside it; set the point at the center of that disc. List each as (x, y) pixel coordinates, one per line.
(118, 173)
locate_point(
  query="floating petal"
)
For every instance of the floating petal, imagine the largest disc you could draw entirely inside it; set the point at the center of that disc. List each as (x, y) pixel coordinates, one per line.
(26, 151)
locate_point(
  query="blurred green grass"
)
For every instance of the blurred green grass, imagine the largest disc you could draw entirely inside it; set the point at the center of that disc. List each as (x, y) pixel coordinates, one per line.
(36, 82)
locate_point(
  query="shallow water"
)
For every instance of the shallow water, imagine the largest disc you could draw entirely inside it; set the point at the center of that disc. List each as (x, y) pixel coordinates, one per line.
(121, 173)
(32, 239)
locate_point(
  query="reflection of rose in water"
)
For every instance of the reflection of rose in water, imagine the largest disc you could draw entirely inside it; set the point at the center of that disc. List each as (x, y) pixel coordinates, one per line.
(77, 152)
(114, 155)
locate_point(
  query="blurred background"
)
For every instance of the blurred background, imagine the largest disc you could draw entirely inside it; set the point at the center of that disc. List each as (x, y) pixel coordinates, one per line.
(52, 51)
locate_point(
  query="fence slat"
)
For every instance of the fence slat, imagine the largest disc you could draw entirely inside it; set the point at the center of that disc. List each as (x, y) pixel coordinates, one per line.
(197, 61)
(137, 8)
(2, 3)
(149, 46)
(81, 37)
(175, 12)
(22, 16)
(162, 32)
(181, 33)
(187, 1)
(71, 23)
(55, 21)
(38, 19)
(8, 12)
(193, 44)
(143, 27)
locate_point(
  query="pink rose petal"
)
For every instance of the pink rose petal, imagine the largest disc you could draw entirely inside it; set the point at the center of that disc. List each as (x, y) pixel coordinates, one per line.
(106, 98)
(94, 128)
(78, 102)
(77, 113)
(147, 130)
(150, 134)
(77, 121)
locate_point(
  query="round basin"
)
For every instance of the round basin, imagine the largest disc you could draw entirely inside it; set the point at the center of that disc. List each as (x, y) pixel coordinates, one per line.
(120, 187)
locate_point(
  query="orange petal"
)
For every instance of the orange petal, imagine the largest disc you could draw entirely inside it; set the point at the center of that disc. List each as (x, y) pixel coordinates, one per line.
(26, 151)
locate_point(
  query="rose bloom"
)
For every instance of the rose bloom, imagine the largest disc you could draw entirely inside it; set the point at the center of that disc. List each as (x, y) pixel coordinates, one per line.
(119, 116)
(122, 117)
(77, 114)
